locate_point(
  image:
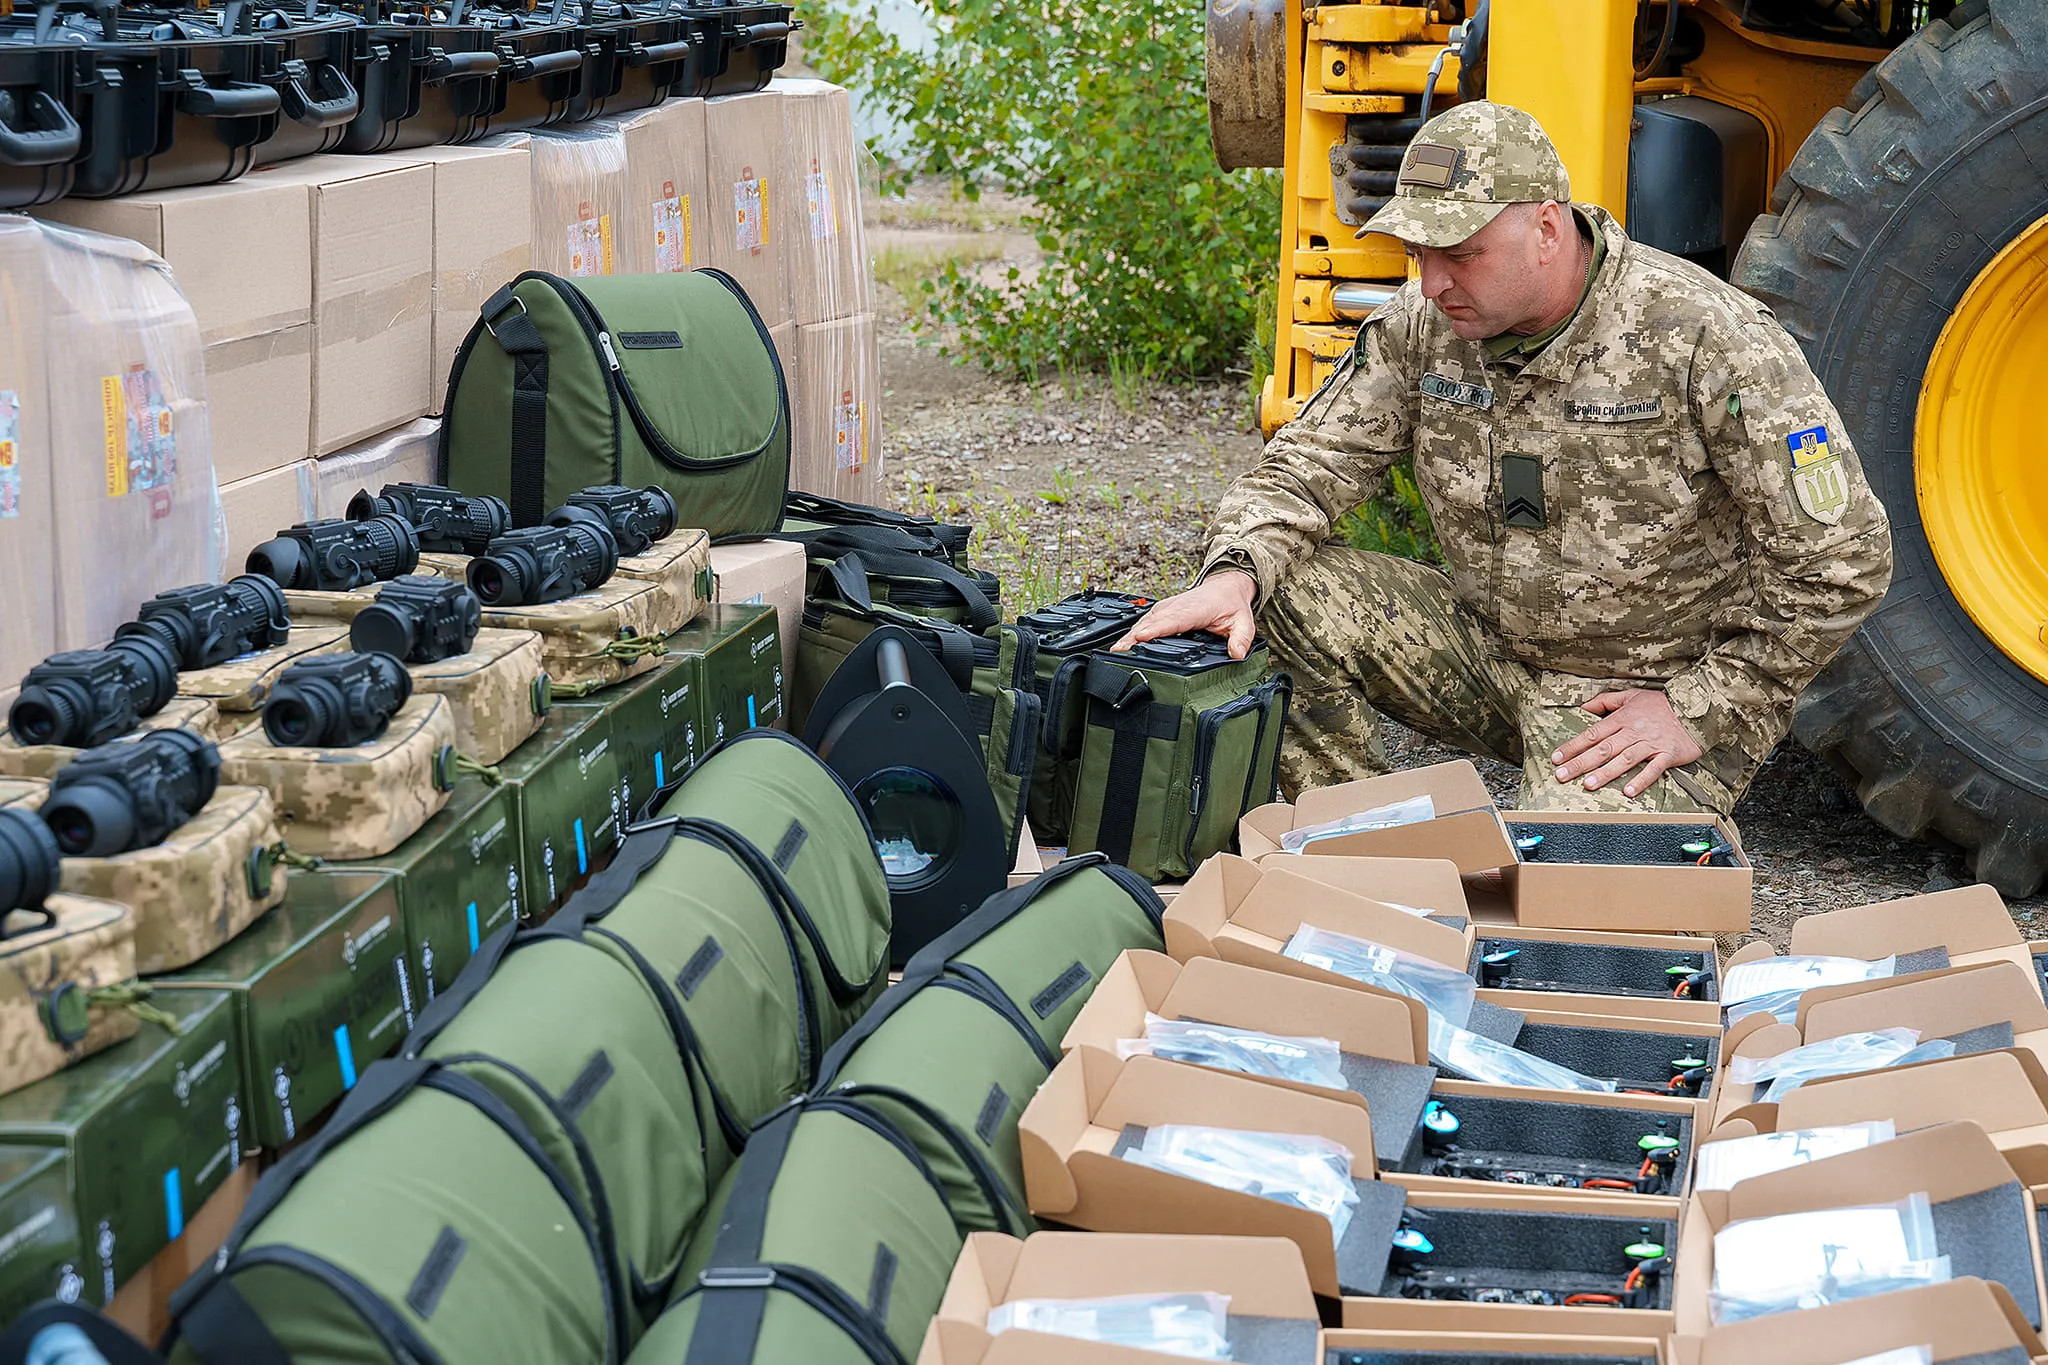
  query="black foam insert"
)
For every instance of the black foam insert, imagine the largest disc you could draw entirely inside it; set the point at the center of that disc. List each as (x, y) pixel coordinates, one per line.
(1498, 1125)
(1925, 960)
(1271, 1341)
(1540, 1244)
(1985, 1234)
(1495, 1022)
(1541, 964)
(2041, 971)
(1641, 1059)
(1635, 845)
(1983, 1038)
(1341, 1355)
(1395, 1093)
(1368, 1239)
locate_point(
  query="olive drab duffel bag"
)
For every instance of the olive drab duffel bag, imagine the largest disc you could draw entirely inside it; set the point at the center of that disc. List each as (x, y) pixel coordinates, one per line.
(951, 1054)
(632, 379)
(829, 1244)
(423, 1222)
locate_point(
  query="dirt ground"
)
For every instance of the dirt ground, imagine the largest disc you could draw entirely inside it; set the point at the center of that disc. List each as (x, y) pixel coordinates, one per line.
(1076, 483)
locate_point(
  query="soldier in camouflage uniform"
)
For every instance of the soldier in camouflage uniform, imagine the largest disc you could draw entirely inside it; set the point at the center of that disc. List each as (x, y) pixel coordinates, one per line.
(1656, 528)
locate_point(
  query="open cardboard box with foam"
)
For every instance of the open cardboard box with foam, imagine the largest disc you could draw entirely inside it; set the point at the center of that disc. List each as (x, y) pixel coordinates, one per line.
(1466, 829)
(1383, 1039)
(1982, 1008)
(1965, 1319)
(1983, 1213)
(1431, 885)
(1631, 895)
(1094, 1108)
(1964, 927)
(1575, 968)
(1272, 1317)
(1535, 1335)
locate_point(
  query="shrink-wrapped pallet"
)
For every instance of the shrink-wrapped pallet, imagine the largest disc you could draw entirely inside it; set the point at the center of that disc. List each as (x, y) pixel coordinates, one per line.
(135, 508)
(743, 137)
(405, 455)
(666, 189)
(829, 273)
(28, 628)
(835, 390)
(579, 199)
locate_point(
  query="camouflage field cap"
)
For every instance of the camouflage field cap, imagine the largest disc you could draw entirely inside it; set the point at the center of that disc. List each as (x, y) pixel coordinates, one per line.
(1463, 168)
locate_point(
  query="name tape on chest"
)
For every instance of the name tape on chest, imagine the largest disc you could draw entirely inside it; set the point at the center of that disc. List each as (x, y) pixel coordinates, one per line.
(1632, 410)
(1451, 391)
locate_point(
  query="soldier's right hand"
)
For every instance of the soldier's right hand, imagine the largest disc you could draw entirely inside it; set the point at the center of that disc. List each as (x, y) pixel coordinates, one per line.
(1220, 604)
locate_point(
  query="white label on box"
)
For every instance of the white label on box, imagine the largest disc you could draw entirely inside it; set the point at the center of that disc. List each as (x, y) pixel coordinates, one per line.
(141, 450)
(849, 432)
(818, 198)
(10, 453)
(750, 210)
(672, 245)
(590, 246)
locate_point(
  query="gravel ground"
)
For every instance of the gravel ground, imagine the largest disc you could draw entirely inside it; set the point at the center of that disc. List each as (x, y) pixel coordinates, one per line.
(1072, 485)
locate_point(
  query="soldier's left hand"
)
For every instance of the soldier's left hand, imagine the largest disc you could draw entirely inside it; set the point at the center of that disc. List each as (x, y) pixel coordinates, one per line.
(1639, 729)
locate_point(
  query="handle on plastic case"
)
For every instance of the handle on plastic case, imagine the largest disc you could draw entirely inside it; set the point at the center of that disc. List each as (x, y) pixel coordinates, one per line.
(746, 35)
(300, 107)
(237, 99)
(547, 64)
(53, 144)
(449, 66)
(659, 53)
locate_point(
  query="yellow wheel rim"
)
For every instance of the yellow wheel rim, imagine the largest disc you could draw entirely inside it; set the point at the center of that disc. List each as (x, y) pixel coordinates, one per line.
(1978, 446)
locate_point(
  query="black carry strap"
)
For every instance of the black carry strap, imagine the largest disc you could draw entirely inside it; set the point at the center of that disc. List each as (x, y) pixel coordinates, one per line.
(474, 976)
(849, 575)
(110, 1340)
(221, 1327)
(1120, 700)
(735, 1285)
(831, 542)
(528, 349)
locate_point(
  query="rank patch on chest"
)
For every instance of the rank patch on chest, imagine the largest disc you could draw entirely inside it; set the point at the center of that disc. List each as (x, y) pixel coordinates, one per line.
(1632, 410)
(1451, 391)
(1818, 479)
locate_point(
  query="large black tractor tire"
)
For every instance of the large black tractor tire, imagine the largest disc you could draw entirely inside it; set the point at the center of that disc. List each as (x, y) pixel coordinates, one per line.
(1887, 214)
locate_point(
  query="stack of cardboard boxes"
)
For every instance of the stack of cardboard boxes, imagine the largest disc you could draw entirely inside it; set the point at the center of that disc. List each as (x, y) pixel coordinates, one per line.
(1507, 1218)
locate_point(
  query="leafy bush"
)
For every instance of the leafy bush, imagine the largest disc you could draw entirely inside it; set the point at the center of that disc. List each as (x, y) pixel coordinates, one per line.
(1155, 258)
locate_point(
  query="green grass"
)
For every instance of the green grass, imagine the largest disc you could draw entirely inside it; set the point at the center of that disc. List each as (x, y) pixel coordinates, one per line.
(903, 268)
(967, 215)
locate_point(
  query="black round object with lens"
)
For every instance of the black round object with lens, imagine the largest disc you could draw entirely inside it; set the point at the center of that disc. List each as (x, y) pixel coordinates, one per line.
(85, 697)
(893, 724)
(29, 860)
(338, 555)
(418, 618)
(210, 623)
(538, 564)
(130, 794)
(336, 701)
(636, 517)
(446, 522)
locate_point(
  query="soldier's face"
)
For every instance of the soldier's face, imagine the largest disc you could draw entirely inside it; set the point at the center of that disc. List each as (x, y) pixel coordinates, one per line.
(1496, 280)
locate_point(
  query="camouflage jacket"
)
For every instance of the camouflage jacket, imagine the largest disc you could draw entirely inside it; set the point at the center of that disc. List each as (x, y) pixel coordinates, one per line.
(1663, 494)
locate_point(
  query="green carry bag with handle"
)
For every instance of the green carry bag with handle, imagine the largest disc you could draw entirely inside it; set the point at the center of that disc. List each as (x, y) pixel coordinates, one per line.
(576, 1042)
(950, 1055)
(422, 1223)
(808, 517)
(830, 1242)
(1178, 741)
(628, 379)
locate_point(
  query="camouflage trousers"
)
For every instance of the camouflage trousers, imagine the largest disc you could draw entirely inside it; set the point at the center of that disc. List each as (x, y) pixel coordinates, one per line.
(1362, 633)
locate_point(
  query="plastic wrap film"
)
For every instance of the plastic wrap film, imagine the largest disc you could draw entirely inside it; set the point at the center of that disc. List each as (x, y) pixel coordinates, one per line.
(1722, 1164)
(1805, 1260)
(1304, 1171)
(1191, 1326)
(743, 138)
(254, 510)
(1447, 991)
(1774, 985)
(835, 400)
(28, 509)
(402, 456)
(134, 506)
(666, 189)
(1852, 1052)
(1277, 1056)
(579, 199)
(829, 275)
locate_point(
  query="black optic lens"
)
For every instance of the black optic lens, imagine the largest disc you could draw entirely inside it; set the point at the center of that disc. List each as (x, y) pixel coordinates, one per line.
(28, 860)
(38, 717)
(916, 820)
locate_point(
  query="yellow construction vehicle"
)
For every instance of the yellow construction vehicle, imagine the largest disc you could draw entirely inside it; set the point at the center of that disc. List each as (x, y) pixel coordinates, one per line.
(1876, 171)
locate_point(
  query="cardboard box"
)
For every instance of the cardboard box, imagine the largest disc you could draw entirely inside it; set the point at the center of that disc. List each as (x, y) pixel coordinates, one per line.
(1637, 960)
(256, 509)
(764, 571)
(1636, 1052)
(1428, 884)
(1964, 1319)
(829, 274)
(744, 141)
(666, 198)
(1969, 924)
(1539, 1342)
(1072, 1127)
(1029, 862)
(483, 238)
(1467, 829)
(1263, 1277)
(1984, 1215)
(565, 787)
(406, 455)
(835, 397)
(149, 1129)
(1630, 896)
(316, 986)
(134, 498)
(143, 1304)
(1507, 1324)
(458, 883)
(259, 397)
(28, 474)
(373, 292)
(579, 199)
(740, 656)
